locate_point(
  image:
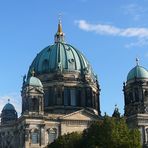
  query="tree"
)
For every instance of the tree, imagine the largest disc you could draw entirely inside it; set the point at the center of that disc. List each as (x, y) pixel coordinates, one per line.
(111, 133)
(70, 140)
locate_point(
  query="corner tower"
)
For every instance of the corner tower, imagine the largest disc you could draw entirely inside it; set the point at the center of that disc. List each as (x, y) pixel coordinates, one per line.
(9, 114)
(136, 100)
(32, 96)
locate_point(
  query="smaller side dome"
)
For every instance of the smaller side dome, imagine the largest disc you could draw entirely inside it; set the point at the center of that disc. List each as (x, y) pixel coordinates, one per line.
(9, 114)
(8, 106)
(137, 72)
(34, 81)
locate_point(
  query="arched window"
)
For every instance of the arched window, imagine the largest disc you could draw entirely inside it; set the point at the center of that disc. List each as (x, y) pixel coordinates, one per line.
(35, 136)
(35, 104)
(59, 96)
(146, 93)
(136, 94)
(45, 66)
(78, 99)
(52, 134)
(88, 97)
(66, 96)
(73, 97)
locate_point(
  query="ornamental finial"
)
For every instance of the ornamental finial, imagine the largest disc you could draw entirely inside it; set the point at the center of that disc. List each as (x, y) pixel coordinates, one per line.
(59, 36)
(8, 100)
(137, 61)
(60, 32)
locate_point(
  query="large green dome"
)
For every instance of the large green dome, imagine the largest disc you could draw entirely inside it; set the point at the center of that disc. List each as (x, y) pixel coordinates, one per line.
(60, 57)
(67, 78)
(137, 72)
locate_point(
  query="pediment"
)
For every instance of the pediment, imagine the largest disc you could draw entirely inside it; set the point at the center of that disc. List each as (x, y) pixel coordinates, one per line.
(81, 115)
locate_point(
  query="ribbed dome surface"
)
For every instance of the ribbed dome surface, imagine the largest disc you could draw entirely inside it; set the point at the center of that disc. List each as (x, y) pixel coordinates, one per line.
(137, 72)
(8, 106)
(60, 57)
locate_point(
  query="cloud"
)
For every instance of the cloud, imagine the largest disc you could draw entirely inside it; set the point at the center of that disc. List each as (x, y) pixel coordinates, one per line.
(15, 99)
(104, 29)
(139, 43)
(140, 33)
(135, 11)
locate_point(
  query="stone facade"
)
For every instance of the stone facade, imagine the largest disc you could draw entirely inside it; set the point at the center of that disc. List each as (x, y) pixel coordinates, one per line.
(34, 131)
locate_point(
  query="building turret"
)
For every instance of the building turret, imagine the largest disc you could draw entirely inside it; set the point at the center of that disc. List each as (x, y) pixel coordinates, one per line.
(32, 96)
(136, 101)
(136, 91)
(9, 114)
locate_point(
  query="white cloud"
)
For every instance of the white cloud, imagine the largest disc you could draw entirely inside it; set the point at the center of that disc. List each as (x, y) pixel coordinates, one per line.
(104, 29)
(135, 11)
(15, 99)
(140, 33)
(140, 42)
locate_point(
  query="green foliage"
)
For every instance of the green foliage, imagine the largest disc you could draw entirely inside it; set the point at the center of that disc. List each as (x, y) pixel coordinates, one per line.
(107, 133)
(71, 140)
(111, 133)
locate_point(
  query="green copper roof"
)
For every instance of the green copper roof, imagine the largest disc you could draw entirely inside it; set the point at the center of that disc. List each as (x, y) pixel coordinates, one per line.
(60, 57)
(137, 72)
(33, 81)
(8, 106)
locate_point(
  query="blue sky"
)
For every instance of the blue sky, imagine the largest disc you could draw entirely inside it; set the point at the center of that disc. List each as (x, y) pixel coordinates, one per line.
(111, 34)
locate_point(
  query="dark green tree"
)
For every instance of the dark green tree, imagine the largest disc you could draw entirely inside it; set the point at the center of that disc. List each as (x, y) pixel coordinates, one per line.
(70, 140)
(111, 133)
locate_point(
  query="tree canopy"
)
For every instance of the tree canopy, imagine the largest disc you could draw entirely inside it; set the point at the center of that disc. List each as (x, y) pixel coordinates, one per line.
(110, 132)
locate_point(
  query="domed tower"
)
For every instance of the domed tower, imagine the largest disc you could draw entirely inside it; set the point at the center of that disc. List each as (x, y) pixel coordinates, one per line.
(136, 91)
(32, 95)
(9, 114)
(68, 79)
(136, 99)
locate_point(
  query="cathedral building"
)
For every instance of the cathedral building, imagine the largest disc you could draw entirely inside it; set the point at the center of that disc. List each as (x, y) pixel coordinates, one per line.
(61, 94)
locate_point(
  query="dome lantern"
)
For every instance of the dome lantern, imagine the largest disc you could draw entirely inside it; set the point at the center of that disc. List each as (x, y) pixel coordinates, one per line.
(59, 36)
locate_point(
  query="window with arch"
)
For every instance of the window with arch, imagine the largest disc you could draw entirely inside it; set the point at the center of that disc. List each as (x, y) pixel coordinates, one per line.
(136, 94)
(73, 96)
(52, 134)
(146, 93)
(66, 96)
(35, 136)
(88, 97)
(59, 96)
(35, 104)
(45, 66)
